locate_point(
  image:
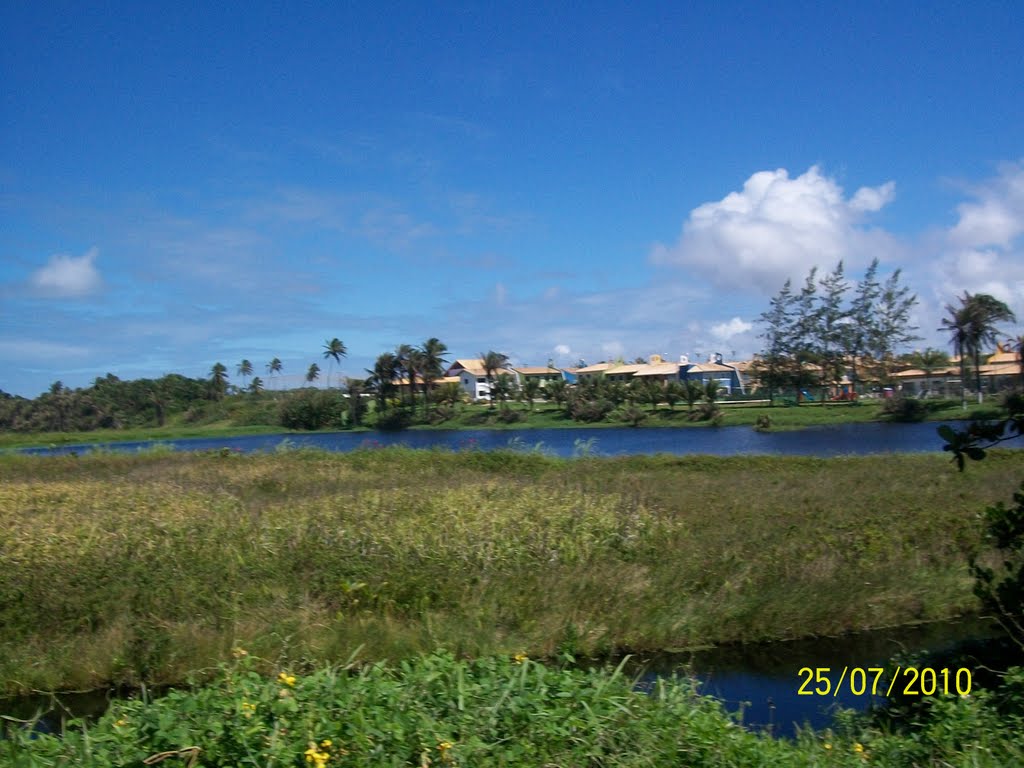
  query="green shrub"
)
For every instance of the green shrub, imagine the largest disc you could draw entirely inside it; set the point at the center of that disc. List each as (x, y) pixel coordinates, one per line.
(394, 420)
(508, 416)
(905, 409)
(312, 409)
(591, 410)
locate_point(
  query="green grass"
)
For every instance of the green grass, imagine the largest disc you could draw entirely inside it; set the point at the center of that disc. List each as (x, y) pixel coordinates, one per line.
(129, 568)
(438, 710)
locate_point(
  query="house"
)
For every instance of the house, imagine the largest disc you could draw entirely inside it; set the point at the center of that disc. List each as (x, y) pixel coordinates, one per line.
(727, 376)
(595, 371)
(472, 377)
(541, 374)
(660, 372)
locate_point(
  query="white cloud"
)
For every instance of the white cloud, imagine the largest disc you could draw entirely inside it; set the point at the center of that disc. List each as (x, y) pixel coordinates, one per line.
(983, 251)
(996, 216)
(563, 350)
(65, 276)
(776, 228)
(725, 331)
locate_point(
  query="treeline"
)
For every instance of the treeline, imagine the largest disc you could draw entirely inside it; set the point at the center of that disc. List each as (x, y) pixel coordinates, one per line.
(831, 328)
(109, 403)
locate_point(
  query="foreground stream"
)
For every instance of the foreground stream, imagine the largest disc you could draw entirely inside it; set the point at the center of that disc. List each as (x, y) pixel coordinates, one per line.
(758, 681)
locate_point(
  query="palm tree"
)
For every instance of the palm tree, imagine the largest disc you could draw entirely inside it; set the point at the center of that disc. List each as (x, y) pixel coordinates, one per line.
(407, 360)
(492, 362)
(928, 361)
(244, 370)
(432, 364)
(956, 323)
(382, 378)
(218, 380)
(1019, 344)
(313, 373)
(530, 390)
(356, 406)
(504, 388)
(557, 391)
(257, 385)
(334, 350)
(274, 367)
(973, 325)
(692, 392)
(711, 389)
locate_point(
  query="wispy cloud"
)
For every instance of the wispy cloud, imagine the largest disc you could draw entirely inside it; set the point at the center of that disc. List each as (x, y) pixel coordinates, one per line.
(66, 276)
(40, 351)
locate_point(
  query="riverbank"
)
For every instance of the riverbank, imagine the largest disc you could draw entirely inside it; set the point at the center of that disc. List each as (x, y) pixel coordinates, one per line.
(502, 711)
(129, 568)
(542, 416)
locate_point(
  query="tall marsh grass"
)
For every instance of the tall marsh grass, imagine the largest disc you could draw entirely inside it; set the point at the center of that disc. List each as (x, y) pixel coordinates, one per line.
(117, 568)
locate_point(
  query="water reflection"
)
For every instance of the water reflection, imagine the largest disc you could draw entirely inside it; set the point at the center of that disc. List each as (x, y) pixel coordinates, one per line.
(762, 679)
(838, 440)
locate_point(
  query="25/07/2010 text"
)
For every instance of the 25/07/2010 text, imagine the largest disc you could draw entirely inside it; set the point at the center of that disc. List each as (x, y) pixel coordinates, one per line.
(872, 681)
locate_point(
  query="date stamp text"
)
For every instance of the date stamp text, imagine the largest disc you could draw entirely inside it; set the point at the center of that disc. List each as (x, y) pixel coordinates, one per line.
(874, 681)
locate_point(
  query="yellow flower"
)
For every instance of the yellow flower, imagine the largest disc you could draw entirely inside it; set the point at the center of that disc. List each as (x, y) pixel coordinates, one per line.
(121, 723)
(326, 743)
(858, 747)
(519, 658)
(286, 679)
(239, 653)
(445, 746)
(827, 745)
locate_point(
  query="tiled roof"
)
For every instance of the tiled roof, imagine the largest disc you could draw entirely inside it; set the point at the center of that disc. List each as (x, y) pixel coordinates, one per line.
(709, 368)
(659, 369)
(536, 370)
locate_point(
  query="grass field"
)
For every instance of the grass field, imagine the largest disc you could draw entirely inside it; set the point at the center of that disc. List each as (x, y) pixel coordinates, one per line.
(117, 568)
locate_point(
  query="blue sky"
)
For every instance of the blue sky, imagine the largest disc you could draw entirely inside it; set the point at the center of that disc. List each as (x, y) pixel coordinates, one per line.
(182, 184)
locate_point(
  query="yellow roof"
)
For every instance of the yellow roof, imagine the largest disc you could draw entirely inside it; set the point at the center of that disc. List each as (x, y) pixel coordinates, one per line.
(1004, 357)
(659, 369)
(536, 370)
(624, 369)
(709, 368)
(595, 368)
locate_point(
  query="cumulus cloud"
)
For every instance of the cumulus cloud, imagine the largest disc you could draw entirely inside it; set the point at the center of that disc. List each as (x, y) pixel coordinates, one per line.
(983, 252)
(776, 228)
(996, 216)
(734, 327)
(66, 276)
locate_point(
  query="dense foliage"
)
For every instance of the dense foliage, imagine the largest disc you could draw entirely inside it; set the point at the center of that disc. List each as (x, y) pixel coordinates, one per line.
(437, 710)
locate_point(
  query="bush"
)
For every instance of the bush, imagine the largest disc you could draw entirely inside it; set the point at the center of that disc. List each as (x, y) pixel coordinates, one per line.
(312, 409)
(591, 410)
(631, 415)
(508, 416)
(904, 409)
(441, 413)
(394, 420)
(707, 412)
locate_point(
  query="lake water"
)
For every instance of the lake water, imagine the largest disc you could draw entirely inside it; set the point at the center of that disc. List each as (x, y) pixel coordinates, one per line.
(839, 440)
